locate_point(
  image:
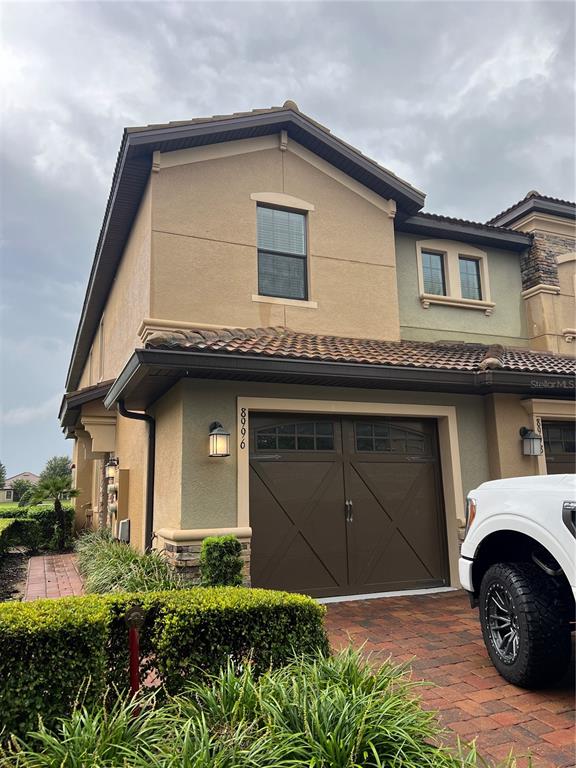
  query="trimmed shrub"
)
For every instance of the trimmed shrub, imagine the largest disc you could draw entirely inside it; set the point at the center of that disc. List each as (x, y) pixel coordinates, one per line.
(48, 523)
(50, 650)
(201, 629)
(221, 562)
(334, 712)
(50, 647)
(112, 566)
(6, 534)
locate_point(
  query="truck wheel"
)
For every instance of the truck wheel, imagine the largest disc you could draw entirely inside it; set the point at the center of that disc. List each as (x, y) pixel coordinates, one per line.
(524, 624)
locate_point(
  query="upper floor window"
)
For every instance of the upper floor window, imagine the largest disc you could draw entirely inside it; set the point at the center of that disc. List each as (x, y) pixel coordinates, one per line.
(433, 273)
(470, 278)
(282, 257)
(453, 274)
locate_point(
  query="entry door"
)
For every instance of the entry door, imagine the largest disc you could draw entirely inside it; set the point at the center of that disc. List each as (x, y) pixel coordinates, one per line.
(345, 506)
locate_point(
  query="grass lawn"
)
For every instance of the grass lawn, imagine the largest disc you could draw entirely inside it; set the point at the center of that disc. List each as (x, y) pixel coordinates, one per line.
(8, 505)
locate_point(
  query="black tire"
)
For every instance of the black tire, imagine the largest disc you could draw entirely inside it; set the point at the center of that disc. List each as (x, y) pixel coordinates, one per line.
(537, 649)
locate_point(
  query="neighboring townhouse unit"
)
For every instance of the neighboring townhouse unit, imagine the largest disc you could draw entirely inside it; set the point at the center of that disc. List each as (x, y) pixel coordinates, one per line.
(277, 343)
(7, 492)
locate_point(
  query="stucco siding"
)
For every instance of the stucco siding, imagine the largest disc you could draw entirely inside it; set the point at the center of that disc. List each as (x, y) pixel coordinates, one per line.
(209, 497)
(168, 468)
(204, 252)
(128, 303)
(506, 325)
(131, 450)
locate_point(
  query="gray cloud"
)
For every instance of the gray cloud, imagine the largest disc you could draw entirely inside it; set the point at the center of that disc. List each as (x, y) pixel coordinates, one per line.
(471, 102)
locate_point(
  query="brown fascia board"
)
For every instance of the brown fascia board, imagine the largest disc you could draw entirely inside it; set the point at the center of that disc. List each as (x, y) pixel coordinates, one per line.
(133, 169)
(150, 372)
(564, 210)
(72, 402)
(478, 234)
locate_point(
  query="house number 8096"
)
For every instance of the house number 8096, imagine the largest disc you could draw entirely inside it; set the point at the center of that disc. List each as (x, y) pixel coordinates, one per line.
(243, 428)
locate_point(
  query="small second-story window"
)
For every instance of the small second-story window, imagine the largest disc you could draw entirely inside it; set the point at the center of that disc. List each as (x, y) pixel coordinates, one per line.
(470, 278)
(282, 269)
(433, 273)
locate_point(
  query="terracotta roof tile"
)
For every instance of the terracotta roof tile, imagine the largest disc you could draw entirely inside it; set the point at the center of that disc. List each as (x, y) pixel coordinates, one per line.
(531, 194)
(284, 343)
(466, 222)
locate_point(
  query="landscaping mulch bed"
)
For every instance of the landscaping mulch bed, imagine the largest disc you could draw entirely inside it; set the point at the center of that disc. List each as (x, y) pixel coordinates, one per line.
(13, 567)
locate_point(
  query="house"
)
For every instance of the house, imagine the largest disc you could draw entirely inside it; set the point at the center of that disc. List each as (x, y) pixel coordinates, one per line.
(277, 342)
(7, 492)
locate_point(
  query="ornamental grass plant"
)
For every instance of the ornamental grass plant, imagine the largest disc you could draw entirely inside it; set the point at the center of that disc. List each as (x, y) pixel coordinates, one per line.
(108, 565)
(337, 711)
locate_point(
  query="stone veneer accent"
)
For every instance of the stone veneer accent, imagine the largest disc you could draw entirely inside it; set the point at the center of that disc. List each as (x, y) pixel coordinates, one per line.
(185, 559)
(538, 265)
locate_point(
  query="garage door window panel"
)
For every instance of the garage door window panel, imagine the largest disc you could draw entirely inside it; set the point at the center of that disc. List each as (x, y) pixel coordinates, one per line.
(304, 436)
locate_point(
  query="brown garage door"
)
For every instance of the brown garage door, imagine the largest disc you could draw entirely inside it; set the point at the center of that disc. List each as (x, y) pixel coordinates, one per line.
(560, 446)
(345, 505)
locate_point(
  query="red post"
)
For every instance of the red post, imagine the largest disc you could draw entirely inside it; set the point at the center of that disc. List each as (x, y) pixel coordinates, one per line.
(134, 645)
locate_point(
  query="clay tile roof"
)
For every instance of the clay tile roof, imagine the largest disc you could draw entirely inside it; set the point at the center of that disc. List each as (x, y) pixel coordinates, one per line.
(284, 343)
(466, 222)
(535, 195)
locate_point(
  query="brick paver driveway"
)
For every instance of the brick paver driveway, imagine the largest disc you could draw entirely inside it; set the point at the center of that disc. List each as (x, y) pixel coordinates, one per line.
(440, 635)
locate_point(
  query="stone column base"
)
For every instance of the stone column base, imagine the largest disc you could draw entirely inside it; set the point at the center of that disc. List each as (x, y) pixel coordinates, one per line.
(182, 549)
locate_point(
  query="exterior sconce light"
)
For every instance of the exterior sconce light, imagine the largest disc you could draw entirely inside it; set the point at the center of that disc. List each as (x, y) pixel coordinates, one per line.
(111, 467)
(219, 441)
(531, 442)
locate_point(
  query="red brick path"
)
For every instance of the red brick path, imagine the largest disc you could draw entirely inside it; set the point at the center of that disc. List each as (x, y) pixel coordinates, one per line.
(440, 635)
(52, 576)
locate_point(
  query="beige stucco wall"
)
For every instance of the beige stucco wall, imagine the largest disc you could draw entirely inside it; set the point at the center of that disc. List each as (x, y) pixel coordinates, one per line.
(132, 450)
(505, 415)
(506, 325)
(209, 495)
(204, 252)
(168, 467)
(128, 303)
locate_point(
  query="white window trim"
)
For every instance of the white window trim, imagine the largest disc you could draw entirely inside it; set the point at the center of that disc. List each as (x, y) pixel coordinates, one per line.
(451, 252)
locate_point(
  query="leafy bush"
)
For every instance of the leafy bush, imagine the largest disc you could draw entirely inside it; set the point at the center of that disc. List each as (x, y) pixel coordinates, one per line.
(221, 562)
(50, 646)
(333, 712)
(112, 566)
(49, 649)
(11, 511)
(5, 534)
(48, 523)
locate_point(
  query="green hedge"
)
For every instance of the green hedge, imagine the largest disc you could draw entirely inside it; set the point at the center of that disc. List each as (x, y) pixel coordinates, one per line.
(186, 632)
(221, 562)
(41, 534)
(5, 534)
(50, 649)
(20, 533)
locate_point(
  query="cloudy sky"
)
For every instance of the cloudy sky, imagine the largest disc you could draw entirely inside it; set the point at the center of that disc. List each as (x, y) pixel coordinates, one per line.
(472, 102)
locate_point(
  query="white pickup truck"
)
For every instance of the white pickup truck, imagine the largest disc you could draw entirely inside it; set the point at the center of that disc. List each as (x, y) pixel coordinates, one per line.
(518, 563)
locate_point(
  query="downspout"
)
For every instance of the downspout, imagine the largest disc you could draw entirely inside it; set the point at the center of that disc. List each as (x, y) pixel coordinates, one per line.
(149, 509)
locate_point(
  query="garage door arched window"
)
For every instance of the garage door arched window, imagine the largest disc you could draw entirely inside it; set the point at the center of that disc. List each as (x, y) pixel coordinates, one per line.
(304, 436)
(380, 437)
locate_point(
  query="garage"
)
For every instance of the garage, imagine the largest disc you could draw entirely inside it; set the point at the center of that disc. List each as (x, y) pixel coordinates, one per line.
(560, 446)
(346, 505)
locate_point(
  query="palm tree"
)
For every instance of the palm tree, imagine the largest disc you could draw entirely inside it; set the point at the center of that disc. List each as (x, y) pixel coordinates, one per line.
(55, 489)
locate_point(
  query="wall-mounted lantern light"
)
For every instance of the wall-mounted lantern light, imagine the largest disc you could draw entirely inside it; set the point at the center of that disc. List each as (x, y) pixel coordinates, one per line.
(219, 440)
(531, 442)
(111, 467)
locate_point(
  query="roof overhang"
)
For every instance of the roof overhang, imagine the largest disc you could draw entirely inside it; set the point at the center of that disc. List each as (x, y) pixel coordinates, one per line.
(150, 373)
(479, 235)
(564, 210)
(71, 405)
(133, 169)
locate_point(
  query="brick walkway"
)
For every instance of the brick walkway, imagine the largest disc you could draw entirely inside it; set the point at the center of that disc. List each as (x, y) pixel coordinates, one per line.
(440, 635)
(52, 576)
